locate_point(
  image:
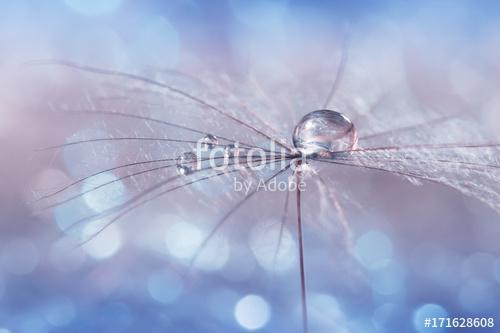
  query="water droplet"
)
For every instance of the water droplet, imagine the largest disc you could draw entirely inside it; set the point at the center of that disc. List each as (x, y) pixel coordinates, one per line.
(186, 163)
(323, 132)
(232, 150)
(209, 141)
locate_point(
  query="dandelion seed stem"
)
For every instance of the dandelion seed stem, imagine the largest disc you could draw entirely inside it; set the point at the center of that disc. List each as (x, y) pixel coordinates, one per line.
(301, 258)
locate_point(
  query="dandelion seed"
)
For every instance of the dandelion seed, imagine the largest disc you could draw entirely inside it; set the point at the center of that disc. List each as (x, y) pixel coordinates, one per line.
(323, 136)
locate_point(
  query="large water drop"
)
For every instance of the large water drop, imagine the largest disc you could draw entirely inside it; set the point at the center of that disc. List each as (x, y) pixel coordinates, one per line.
(324, 132)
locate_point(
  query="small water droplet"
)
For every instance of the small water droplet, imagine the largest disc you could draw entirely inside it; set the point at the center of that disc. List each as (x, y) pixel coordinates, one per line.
(232, 150)
(323, 132)
(186, 163)
(304, 170)
(209, 141)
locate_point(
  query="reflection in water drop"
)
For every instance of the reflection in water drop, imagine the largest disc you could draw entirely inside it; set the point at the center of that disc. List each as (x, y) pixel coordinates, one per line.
(323, 132)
